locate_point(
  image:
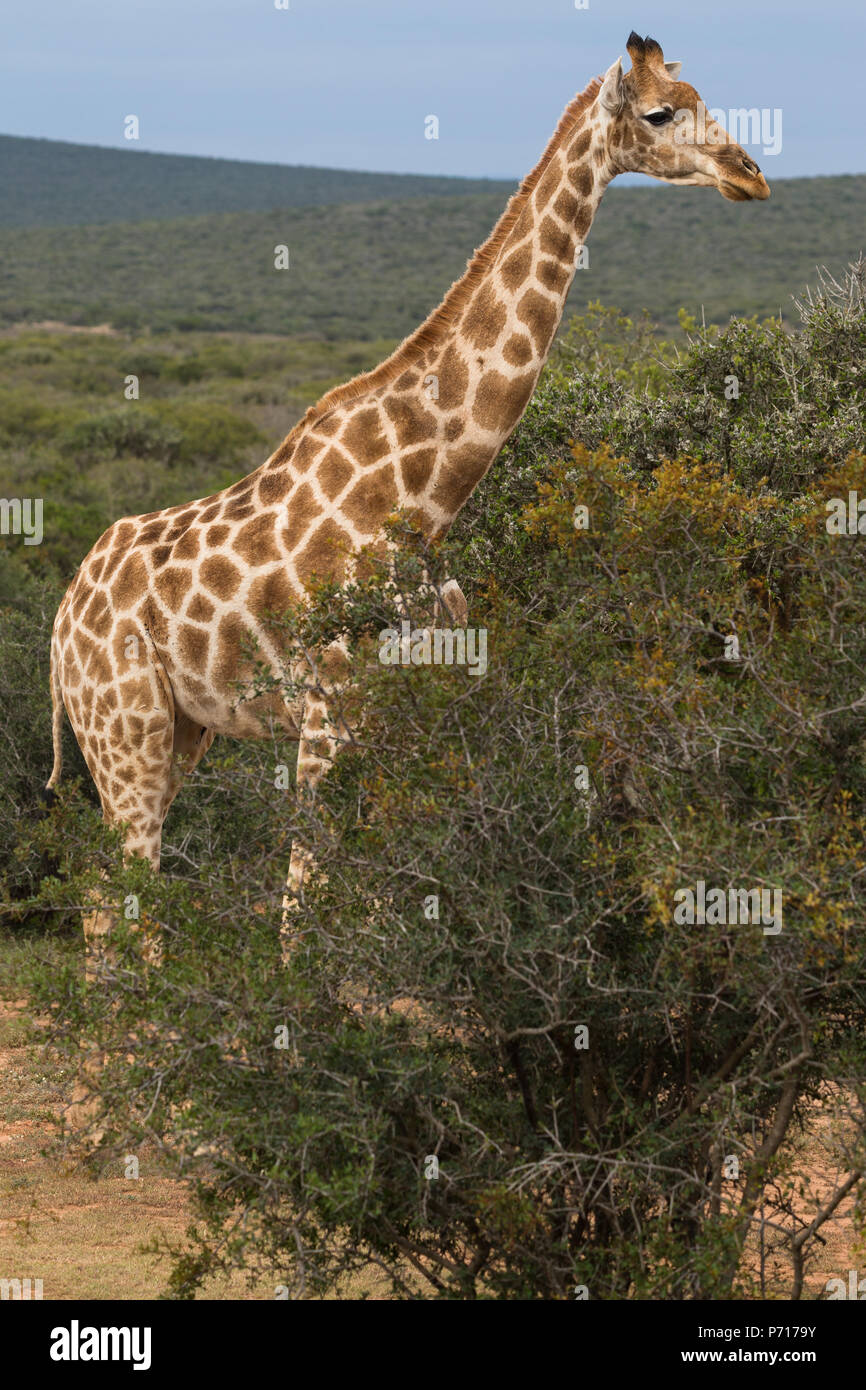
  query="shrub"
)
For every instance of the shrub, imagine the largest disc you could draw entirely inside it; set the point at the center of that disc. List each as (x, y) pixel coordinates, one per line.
(128, 430)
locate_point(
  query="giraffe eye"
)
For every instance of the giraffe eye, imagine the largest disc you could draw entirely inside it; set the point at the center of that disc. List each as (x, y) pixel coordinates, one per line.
(658, 117)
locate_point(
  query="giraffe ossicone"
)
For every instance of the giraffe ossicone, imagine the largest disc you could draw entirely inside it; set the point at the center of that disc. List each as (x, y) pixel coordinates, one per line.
(147, 647)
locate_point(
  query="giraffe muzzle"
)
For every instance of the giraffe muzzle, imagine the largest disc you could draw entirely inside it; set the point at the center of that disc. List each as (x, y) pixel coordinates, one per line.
(750, 184)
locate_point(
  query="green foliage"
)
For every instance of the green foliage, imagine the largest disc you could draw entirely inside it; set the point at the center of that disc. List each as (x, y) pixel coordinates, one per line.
(209, 411)
(121, 432)
(25, 741)
(761, 400)
(376, 268)
(800, 407)
(59, 184)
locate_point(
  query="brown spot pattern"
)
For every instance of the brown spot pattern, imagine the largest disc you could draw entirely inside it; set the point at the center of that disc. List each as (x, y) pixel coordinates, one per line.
(516, 268)
(130, 584)
(518, 350)
(484, 319)
(411, 421)
(416, 468)
(172, 585)
(453, 379)
(540, 315)
(363, 437)
(255, 541)
(556, 241)
(303, 510)
(325, 553)
(370, 500)
(460, 475)
(499, 401)
(220, 576)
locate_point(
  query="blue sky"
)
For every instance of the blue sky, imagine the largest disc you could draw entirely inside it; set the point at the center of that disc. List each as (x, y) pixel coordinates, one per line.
(348, 83)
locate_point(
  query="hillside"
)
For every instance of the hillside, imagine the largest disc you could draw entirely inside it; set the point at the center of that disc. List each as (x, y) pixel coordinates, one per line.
(51, 183)
(374, 269)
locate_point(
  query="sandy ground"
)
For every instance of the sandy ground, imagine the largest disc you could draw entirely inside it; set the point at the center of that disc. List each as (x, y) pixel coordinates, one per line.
(102, 330)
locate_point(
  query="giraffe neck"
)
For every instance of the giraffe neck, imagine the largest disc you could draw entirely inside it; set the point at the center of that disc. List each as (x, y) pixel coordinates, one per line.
(493, 356)
(418, 432)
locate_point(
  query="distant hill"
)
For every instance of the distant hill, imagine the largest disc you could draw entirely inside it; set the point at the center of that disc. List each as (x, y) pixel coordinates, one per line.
(49, 183)
(375, 269)
(180, 242)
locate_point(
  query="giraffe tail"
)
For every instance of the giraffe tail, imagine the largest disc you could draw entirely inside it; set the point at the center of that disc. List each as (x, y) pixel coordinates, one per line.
(56, 722)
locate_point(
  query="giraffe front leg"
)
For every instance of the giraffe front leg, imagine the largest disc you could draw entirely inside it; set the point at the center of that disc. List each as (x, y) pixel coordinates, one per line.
(323, 732)
(316, 751)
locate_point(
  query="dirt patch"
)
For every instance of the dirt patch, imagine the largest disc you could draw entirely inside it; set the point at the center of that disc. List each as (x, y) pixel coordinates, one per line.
(100, 330)
(818, 1171)
(83, 1236)
(80, 1236)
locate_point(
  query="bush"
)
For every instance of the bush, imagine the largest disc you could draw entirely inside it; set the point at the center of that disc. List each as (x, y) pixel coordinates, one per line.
(763, 401)
(128, 430)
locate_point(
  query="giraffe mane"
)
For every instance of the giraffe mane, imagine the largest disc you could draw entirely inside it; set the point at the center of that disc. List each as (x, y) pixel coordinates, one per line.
(456, 298)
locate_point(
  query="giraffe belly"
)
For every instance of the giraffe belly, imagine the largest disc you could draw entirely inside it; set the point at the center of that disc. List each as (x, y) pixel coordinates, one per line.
(237, 718)
(217, 700)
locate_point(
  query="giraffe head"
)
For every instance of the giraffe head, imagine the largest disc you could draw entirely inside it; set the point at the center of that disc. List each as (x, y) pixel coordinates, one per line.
(660, 126)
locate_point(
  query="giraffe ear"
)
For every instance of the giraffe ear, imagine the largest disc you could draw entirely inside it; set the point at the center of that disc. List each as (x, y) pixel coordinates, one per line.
(673, 70)
(612, 95)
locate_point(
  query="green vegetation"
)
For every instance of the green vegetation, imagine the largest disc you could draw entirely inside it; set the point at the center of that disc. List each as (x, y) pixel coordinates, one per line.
(210, 409)
(59, 184)
(375, 269)
(306, 1103)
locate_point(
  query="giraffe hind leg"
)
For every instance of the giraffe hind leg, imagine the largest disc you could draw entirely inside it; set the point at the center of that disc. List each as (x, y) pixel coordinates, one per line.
(189, 744)
(452, 603)
(131, 757)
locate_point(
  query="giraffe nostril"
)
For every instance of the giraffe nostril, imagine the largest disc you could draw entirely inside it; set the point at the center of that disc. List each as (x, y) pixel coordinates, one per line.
(749, 165)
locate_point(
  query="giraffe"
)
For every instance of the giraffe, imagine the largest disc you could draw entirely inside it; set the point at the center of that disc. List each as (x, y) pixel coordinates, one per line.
(146, 649)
